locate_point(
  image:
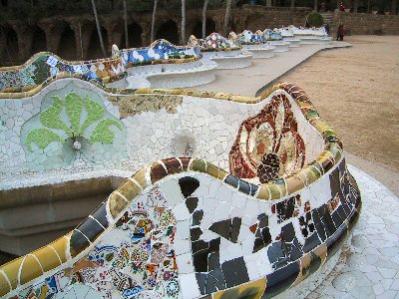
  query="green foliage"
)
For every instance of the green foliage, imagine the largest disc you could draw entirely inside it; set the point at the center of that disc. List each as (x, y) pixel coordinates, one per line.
(315, 19)
(50, 118)
(102, 133)
(73, 108)
(42, 137)
(94, 112)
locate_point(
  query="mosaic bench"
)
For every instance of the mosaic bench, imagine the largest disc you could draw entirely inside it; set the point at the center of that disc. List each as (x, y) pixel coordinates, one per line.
(185, 227)
(311, 36)
(187, 74)
(289, 37)
(45, 65)
(253, 43)
(226, 53)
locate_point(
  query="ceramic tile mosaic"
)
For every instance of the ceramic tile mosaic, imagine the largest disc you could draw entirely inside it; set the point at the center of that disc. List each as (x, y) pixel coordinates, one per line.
(213, 42)
(184, 227)
(44, 65)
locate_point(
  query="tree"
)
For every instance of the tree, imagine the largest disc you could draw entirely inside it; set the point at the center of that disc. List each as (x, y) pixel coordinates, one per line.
(393, 6)
(292, 3)
(183, 21)
(316, 5)
(204, 8)
(154, 12)
(227, 16)
(125, 23)
(100, 37)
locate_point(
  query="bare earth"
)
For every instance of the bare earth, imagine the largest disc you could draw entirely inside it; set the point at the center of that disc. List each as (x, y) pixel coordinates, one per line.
(356, 90)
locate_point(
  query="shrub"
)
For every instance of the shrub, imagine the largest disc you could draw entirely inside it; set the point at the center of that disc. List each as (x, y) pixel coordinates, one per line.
(314, 19)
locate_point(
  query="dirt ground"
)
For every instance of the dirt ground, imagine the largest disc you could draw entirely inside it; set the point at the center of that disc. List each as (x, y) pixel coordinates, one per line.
(356, 90)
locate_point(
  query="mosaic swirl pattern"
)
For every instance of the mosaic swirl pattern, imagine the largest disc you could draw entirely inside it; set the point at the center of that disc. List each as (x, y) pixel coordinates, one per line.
(184, 228)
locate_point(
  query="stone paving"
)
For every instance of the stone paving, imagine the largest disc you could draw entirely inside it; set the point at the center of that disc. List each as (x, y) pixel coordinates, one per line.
(369, 266)
(264, 71)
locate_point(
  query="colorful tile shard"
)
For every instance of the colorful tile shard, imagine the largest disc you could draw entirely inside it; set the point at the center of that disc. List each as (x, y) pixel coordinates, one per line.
(184, 228)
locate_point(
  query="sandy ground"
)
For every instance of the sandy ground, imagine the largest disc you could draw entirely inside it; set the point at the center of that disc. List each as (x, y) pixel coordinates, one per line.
(356, 90)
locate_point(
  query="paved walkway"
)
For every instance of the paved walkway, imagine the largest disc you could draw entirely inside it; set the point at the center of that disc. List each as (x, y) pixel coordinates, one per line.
(370, 268)
(248, 81)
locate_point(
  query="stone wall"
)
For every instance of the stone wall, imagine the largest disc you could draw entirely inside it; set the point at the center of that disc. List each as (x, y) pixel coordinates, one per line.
(76, 37)
(363, 23)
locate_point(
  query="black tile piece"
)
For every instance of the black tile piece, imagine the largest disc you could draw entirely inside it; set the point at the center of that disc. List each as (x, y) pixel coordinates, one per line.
(263, 220)
(235, 272)
(281, 279)
(295, 250)
(195, 233)
(275, 252)
(231, 180)
(244, 187)
(334, 243)
(191, 203)
(336, 218)
(318, 225)
(188, 185)
(222, 228)
(197, 217)
(228, 229)
(215, 281)
(326, 220)
(78, 242)
(200, 258)
(311, 242)
(285, 209)
(341, 212)
(235, 229)
(213, 261)
(258, 245)
(334, 182)
(287, 232)
(90, 228)
(101, 215)
(254, 188)
(266, 237)
(347, 209)
(201, 280)
(199, 245)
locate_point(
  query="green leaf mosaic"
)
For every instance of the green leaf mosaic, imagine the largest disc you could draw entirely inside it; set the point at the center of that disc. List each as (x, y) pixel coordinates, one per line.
(72, 124)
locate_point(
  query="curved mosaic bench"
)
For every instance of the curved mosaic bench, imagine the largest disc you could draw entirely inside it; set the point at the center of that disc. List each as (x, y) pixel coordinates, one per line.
(45, 65)
(185, 228)
(288, 36)
(227, 54)
(164, 65)
(311, 36)
(275, 39)
(179, 75)
(254, 44)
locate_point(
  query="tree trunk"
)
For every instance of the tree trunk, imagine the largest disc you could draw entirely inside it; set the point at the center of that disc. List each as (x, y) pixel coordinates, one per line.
(154, 12)
(183, 22)
(268, 3)
(125, 23)
(292, 3)
(316, 5)
(100, 37)
(227, 17)
(204, 8)
(368, 6)
(393, 7)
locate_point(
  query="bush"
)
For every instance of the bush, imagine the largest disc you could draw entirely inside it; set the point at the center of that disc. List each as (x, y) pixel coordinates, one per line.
(314, 19)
